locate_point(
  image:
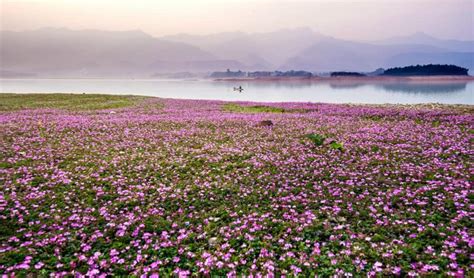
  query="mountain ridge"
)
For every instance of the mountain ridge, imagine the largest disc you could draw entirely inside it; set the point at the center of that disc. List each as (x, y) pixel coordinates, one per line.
(90, 52)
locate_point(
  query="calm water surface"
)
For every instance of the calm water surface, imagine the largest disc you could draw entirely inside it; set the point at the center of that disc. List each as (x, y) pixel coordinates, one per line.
(406, 93)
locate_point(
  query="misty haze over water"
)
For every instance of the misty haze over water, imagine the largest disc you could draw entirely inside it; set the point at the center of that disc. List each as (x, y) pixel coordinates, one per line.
(285, 91)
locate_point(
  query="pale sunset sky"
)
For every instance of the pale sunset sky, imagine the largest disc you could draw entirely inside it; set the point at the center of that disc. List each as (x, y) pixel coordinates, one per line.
(350, 19)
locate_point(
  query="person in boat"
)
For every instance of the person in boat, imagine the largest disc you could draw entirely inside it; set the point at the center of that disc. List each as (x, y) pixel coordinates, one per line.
(240, 89)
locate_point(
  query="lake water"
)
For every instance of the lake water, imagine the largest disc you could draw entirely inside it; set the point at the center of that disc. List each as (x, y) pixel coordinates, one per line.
(301, 91)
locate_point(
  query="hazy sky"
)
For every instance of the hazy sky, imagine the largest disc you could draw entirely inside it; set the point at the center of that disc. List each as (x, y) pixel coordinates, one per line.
(351, 19)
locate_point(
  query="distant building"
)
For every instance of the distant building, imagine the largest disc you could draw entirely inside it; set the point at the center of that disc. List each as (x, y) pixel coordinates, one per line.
(227, 74)
(293, 73)
(257, 74)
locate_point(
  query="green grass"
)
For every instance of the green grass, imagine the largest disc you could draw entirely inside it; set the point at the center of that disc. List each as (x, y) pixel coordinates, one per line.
(11, 102)
(232, 107)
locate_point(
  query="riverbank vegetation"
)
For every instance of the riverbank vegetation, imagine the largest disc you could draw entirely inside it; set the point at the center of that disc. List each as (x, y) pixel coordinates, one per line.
(66, 101)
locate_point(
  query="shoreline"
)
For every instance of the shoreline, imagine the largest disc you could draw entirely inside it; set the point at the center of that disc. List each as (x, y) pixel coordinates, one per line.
(351, 79)
(427, 105)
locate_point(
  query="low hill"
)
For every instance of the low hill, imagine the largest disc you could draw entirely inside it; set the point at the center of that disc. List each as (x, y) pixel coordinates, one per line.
(426, 70)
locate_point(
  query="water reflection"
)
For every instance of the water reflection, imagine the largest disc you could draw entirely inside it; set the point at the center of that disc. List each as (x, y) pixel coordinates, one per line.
(337, 86)
(402, 87)
(265, 91)
(425, 88)
(271, 84)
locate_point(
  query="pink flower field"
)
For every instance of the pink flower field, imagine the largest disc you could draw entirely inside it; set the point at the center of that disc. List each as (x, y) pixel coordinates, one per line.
(203, 188)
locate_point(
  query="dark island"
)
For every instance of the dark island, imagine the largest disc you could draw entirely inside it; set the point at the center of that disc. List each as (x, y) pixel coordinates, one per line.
(346, 73)
(426, 70)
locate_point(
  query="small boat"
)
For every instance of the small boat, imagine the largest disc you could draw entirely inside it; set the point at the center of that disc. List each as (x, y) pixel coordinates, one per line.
(240, 89)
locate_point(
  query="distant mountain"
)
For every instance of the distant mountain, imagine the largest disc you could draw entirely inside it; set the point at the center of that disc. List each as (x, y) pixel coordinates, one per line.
(304, 49)
(341, 55)
(52, 51)
(14, 74)
(425, 39)
(259, 51)
(94, 53)
(205, 41)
